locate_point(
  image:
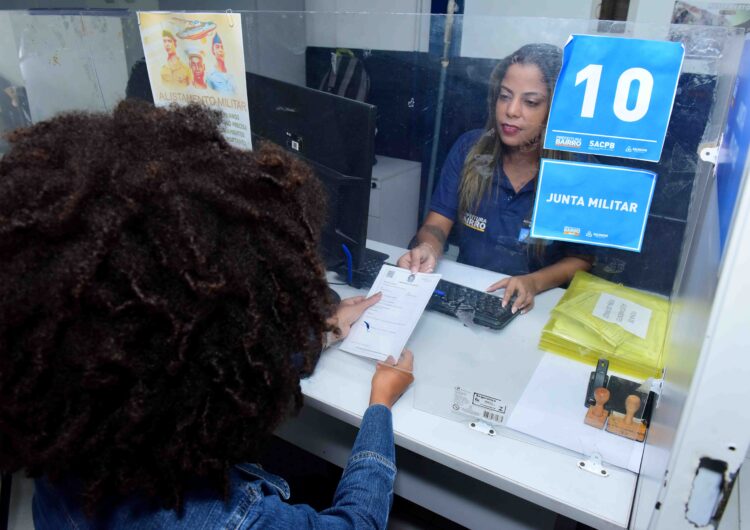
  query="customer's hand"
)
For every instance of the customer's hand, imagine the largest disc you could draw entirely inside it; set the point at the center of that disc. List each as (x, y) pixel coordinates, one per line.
(523, 287)
(391, 379)
(421, 258)
(347, 313)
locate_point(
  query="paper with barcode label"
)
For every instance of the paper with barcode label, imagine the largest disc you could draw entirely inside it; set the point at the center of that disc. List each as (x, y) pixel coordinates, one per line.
(488, 408)
(385, 327)
(632, 317)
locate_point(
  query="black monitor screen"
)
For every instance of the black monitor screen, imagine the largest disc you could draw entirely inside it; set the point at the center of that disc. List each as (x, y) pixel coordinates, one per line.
(336, 136)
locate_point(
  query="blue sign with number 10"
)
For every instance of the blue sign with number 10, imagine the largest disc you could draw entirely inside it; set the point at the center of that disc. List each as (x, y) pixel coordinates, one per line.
(614, 96)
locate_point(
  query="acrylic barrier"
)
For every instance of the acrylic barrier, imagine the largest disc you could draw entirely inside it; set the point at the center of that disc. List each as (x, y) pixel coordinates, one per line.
(444, 119)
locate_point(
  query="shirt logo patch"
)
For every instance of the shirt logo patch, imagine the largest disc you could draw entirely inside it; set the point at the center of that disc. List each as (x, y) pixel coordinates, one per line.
(475, 222)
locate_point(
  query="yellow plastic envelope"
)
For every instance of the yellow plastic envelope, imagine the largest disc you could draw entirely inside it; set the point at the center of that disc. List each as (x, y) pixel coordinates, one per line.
(596, 319)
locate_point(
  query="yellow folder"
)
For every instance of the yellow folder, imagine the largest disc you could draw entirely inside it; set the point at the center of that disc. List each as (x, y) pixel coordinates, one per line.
(597, 319)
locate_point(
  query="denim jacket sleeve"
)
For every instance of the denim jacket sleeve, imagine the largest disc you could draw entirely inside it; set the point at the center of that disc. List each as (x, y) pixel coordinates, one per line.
(365, 493)
(256, 499)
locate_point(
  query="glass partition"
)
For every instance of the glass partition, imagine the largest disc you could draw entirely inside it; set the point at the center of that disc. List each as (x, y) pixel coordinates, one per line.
(413, 93)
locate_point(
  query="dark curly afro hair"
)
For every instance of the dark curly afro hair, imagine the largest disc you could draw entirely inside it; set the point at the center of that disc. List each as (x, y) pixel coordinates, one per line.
(160, 294)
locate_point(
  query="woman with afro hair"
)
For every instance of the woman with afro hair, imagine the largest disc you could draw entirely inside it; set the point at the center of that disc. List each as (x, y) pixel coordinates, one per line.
(161, 294)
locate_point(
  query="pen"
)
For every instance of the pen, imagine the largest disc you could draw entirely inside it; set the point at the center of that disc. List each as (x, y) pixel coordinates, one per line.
(439, 292)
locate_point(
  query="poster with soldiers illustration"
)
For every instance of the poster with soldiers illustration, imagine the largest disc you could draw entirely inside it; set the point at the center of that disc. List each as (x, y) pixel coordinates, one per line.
(199, 58)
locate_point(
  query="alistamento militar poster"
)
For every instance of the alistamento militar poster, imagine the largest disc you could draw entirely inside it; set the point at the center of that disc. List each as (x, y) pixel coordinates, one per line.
(199, 58)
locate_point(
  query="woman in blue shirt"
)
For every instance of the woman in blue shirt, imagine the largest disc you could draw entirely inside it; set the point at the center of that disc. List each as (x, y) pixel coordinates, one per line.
(161, 293)
(488, 184)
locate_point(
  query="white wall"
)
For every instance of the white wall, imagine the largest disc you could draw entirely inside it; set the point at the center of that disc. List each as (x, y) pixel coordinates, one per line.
(70, 62)
(650, 11)
(275, 42)
(388, 25)
(485, 35)
(536, 8)
(8, 50)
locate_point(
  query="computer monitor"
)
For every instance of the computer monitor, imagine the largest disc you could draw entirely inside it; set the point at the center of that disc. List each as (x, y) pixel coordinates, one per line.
(336, 137)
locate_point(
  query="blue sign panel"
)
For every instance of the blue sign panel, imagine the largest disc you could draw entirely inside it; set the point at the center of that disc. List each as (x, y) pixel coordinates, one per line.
(734, 146)
(593, 204)
(614, 96)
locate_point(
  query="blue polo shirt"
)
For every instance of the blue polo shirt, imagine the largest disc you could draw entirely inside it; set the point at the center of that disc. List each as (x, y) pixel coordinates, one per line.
(495, 236)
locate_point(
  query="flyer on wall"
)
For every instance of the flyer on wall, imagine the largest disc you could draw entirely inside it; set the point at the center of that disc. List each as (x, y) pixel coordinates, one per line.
(699, 13)
(199, 58)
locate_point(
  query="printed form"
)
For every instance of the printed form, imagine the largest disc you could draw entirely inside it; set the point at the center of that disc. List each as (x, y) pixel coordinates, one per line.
(385, 327)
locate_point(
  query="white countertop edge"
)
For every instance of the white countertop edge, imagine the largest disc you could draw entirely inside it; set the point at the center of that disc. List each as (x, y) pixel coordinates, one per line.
(559, 496)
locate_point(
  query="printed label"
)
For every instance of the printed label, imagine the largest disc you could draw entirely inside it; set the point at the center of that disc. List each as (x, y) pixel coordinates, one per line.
(632, 317)
(476, 405)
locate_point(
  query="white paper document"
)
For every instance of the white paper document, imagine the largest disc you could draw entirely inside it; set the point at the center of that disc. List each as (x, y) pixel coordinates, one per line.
(385, 327)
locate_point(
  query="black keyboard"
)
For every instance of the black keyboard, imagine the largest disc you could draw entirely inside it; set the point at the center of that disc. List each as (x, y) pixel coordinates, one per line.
(451, 298)
(366, 274)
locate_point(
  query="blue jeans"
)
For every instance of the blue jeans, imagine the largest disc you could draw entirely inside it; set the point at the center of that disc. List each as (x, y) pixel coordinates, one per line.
(256, 498)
